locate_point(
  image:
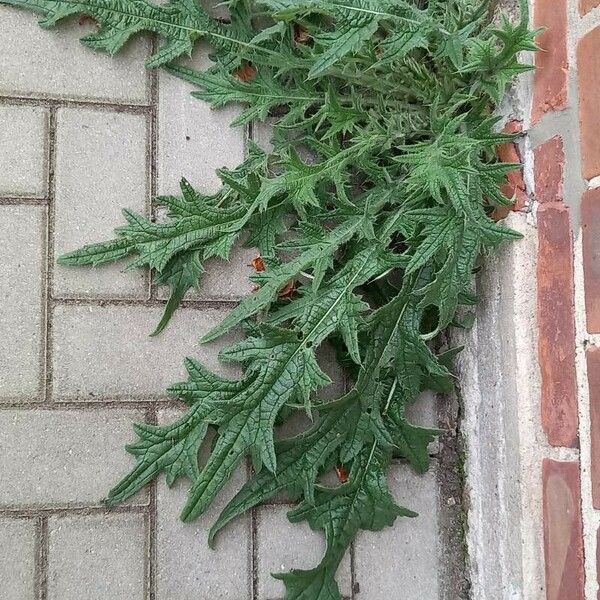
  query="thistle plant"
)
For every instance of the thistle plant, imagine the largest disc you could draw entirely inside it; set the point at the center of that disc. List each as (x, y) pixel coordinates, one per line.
(369, 213)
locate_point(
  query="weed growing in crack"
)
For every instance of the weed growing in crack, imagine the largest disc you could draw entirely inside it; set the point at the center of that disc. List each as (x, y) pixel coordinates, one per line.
(369, 214)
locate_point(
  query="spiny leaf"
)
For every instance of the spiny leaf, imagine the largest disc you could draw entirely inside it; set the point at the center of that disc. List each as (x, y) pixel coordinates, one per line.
(365, 502)
(299, 461)
(181, 274)
(155, 244)
(283, 369)
(275, 279)
(410, 441)
(172, 448)
(355, 22)
(262, 94)
(180, 22)
(299, 180)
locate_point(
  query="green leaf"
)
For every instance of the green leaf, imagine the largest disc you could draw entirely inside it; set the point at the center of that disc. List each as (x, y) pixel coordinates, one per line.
(275, 279)
(172, 449)
(181, 273)
(266, 228)
(365, 502)
(452, 280)
(283, 370)
(299, 180)
(355, 23)
(396, 46)
(299, 462)
(411, 441)
(345, 307)
(180, 23)
(155, 244)
(263, 94)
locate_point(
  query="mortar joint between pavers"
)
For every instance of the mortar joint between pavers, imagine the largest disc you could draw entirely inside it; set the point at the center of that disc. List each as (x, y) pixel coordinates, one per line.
(151, 558)
(199, 304)
(253, 541)
(10, 100)
(23, 512)
(127, 402)
(47, 275)
(153, 153)
(23, 200)
(41, 558)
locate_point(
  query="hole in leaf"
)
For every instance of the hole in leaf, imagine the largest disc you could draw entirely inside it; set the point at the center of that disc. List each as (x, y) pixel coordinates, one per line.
(430, 319)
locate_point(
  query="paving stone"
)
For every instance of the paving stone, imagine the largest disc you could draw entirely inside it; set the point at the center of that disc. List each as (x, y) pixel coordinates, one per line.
(17, 559)
(187, 568)
(22, 231)
(63, 457)
(52, 63)
(23, 151)
(194, 140)
(424, 410)
(424, 413)
(262, 132)
(110, 149)
(105, 352)
(283, 546)
(96, 557)
(327, 361)
(402, 561)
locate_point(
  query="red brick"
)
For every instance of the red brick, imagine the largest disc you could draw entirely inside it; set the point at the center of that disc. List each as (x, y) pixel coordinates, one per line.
(590, 223)
(563, 531)
(593, 369)
(549, 165)
(588, 63)
(550, 80)
(515, 184)
(556, 321)
(586, 5)
(598, 560)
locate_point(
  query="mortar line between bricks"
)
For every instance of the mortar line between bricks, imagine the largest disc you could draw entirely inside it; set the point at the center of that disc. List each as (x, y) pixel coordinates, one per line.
(41, 558)
(43, 349)
(49, 143)
(49, 255)
(81, 103)
(148, 197)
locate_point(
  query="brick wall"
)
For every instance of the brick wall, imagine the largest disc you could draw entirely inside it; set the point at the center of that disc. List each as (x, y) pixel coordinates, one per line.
(564, 135)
